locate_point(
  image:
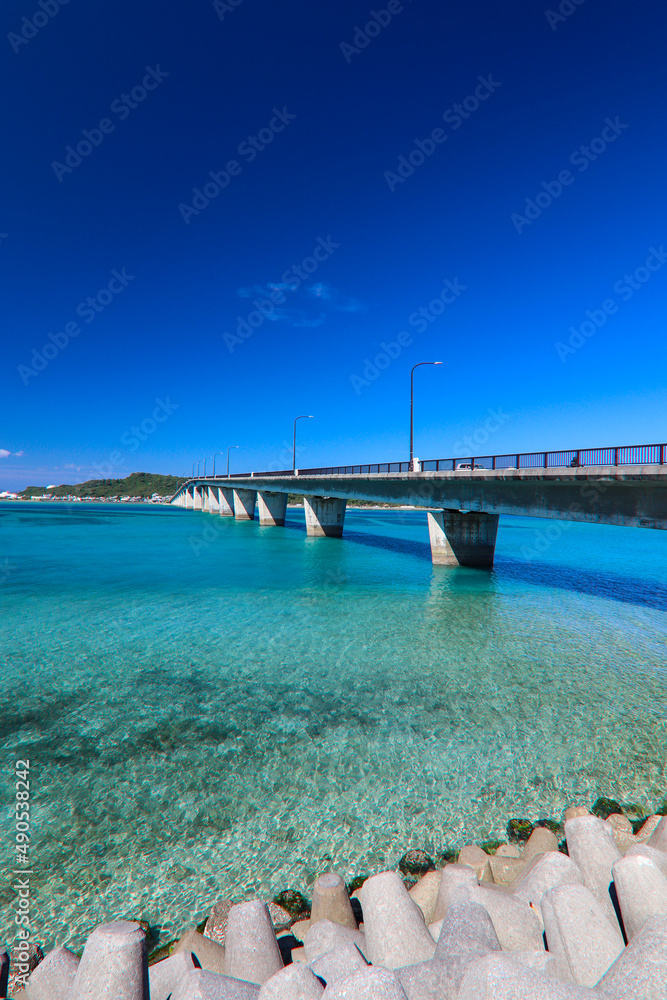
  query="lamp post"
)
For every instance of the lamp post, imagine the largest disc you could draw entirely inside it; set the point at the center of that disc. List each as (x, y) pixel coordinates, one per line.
(228, 451)
(213, 457)
(193, 470)
(304, 416)
(198, 464)
(412, 396)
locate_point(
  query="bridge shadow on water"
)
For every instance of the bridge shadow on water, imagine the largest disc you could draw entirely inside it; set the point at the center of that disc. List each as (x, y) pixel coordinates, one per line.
(405, 546)
(609, 586)
(604, 584)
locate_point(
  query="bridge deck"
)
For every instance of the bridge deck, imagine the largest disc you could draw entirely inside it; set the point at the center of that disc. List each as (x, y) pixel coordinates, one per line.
(628, 495)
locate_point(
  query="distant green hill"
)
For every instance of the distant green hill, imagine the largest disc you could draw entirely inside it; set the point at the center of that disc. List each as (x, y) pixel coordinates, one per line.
(138, 484)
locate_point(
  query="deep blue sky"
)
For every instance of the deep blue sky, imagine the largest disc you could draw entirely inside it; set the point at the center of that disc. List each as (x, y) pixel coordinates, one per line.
(324, 177)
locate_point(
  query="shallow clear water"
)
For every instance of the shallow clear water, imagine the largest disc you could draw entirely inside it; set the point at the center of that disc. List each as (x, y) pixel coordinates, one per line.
(214, 708)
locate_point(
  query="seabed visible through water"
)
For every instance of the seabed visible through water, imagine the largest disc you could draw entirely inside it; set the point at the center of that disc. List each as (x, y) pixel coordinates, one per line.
(235, 714)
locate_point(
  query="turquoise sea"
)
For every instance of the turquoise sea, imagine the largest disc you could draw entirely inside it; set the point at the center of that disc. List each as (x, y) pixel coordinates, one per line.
(214, 708)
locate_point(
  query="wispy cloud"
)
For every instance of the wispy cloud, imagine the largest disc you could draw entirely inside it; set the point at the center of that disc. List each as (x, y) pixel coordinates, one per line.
(335, 299)
(4, 453)
(313, 304)
(299, 319)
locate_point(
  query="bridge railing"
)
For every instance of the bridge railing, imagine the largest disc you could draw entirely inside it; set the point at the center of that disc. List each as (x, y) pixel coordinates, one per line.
(641, 454)
(358, 470)
(637, 454)
(334, 470)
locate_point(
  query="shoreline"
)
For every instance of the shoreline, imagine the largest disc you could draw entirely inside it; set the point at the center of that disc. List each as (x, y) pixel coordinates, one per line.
(166, 503)
(504, 864)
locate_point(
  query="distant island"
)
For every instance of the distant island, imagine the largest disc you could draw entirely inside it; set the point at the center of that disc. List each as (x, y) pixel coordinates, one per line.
(139, 486)
(142, 485)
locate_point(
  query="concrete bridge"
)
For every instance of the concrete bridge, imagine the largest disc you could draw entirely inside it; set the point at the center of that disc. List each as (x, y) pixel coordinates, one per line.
(463, 497)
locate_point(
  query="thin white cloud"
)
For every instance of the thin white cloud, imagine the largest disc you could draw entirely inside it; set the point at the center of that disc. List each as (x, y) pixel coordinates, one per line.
(4, 453)
(335, 299)
(309, 306)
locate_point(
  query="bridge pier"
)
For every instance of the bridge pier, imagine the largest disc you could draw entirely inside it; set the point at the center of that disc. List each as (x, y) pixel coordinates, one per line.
(225, 502)
(189, 498)
(462, 538)
(214, 499)
(206, 499)
(244, 504)
(199, 498)
(272, 508)
(325, 516)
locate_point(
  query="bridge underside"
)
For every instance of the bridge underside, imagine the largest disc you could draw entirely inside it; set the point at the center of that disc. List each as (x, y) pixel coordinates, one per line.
(464, 505)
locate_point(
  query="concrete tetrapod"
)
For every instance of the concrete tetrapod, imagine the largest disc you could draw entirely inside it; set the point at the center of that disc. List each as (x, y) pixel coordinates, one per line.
(325, 935)
(467, 935)
(507, 851)
(541, 841)
(477, 859)
(659, 858)
(339, 963)
(296, 982)
(331, 901)
(164, 976)
(396, 934)
(204, 985)
(425, 894)
(53, 979)
(467, 932)
(546, 872)
(455, 885)
(428, 981)
(621, 829)
(590, 844)
(369, 984)
(640, 973)
(579, 934)
(216, 923)
(645, 833)
(517, 925)
(642, 891)
(505, 871)
(113, 965)
(435, 929)
(251, 948)
(501, 977)
(658, 838)
(539, 961)
(209, 954)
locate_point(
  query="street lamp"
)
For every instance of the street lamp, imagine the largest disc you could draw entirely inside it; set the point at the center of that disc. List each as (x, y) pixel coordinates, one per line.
(228, 451)
(213, 456)
(304, 416)
(193, 470)
(412, 394)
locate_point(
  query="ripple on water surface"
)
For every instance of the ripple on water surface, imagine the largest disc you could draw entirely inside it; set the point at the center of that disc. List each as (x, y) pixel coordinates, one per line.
(212, 707)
